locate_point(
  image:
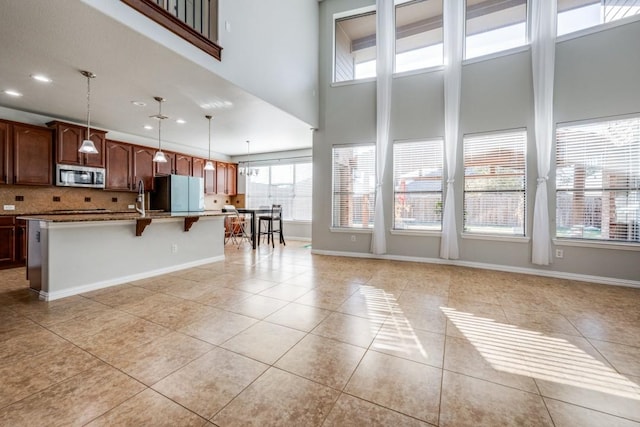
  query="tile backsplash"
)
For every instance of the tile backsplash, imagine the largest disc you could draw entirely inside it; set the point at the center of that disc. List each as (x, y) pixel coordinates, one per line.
(29, 200)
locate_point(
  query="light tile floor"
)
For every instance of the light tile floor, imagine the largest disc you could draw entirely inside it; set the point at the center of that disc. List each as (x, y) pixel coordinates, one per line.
(283, 337)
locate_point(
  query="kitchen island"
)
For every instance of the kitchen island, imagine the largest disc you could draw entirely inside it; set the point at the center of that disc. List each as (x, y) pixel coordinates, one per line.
(73, 254)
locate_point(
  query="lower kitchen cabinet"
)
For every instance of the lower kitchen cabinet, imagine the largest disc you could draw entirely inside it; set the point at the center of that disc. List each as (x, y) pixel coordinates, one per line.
(13, 242)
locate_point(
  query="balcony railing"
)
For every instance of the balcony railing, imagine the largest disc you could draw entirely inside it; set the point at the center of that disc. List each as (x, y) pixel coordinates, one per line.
(194, 20)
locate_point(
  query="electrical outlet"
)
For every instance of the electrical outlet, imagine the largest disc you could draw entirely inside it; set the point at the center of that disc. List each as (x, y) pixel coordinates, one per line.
(353, 238)
(174, 248)
(559, 253)
(9, 207)
(132, 206)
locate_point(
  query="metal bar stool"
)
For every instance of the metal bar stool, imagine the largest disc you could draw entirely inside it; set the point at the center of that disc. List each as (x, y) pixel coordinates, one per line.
(269, 221)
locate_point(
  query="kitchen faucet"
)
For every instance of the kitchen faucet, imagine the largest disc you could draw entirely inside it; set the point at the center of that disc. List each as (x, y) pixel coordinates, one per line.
(140, 198)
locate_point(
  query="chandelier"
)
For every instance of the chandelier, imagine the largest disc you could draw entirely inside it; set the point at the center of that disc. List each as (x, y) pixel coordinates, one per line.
(246, 169)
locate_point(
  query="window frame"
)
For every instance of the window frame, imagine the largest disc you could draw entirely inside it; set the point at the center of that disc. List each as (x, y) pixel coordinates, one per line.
(514, 49)
(596, 28)
(353, 13)
(372, 194)
(402, 3)
(581, 241)
(524, 191)
(417, 231)
(287, 213)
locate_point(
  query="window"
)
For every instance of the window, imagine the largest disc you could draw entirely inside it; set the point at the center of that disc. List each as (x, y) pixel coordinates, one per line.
(417, 185)
(574, 15)
(288, 185)
(354, 181)
(418, 35)
(598, 181)
(495, 183)
(355, 49)
(494, 26)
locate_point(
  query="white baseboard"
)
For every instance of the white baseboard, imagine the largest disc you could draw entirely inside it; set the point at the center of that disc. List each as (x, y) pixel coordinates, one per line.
(50, 296)
(532, 271)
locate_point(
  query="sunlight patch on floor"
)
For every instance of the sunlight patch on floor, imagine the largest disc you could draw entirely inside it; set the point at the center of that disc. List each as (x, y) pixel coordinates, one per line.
(524, 352)
(396, 334)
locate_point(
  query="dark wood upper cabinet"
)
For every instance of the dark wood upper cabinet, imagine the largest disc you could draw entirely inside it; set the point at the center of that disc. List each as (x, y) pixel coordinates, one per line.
(143, 167)
(168, 167)
(119, 159)
(5, 154)
(221, 178)
(197, 167)
(68, 139)
(183, 164)
(209, 176)
(99, 140)
(232, 179)
(32, 155)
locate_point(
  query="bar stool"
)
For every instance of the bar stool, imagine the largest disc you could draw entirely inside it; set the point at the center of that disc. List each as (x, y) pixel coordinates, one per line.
(269, 220)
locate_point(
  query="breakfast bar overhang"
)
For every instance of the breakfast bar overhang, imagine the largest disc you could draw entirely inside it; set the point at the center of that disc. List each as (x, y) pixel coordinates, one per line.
(73, 254)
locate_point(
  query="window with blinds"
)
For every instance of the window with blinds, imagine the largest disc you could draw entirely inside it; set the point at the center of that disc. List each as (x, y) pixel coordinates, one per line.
(354, 181)
(418, 35)
(575, 15)
(495, 183)
(493, 26)
(289, 185)
(417, 185)
(598, 181)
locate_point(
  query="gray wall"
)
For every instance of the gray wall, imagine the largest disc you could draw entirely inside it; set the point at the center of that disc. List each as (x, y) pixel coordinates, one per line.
(597, 75)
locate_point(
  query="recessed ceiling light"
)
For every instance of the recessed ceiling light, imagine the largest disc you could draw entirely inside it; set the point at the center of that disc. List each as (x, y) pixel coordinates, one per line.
(180, 121)
(139, 103)
(41, 78)
(148, 127)
(12, 93)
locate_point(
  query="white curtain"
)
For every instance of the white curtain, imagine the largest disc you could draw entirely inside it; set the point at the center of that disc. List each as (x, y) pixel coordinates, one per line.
(453, 32)
(385, 38)
(543, 53)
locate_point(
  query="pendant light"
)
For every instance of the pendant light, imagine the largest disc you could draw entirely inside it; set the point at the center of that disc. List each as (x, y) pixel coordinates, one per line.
(246, 170)
(209, 165)
(87, 145)
(159, 157)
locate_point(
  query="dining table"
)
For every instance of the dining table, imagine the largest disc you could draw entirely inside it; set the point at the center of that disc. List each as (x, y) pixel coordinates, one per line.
(253, 213)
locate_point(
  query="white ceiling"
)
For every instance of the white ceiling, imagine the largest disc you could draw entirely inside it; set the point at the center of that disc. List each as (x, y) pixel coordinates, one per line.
(60, 38)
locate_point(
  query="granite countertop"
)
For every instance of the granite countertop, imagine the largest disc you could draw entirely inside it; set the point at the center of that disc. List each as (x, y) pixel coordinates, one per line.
(115, 216)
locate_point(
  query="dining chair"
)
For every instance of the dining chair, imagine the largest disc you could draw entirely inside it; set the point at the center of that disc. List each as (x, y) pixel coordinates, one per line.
(269, 221)
(235, 227)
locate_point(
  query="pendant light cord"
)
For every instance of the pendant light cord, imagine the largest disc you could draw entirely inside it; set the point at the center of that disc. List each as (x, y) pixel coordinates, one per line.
(209, 117)
(159, 125)
(88, 106)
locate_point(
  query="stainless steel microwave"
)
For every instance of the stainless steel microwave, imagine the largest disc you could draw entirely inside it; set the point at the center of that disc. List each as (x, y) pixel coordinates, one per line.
(79, 176)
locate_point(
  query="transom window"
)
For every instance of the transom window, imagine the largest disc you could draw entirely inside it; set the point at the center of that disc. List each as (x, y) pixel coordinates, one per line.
(355, 47)
(417, 185)
(575, 15)
(418, 35)
(495, 183)
(354, 181)
(494, 25)
(598, 181)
